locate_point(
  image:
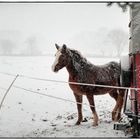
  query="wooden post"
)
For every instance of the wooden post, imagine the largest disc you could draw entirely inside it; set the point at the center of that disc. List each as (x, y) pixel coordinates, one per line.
(8, 91)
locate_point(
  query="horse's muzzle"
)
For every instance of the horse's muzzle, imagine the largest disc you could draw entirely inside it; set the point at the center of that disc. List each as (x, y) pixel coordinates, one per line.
(54, 69)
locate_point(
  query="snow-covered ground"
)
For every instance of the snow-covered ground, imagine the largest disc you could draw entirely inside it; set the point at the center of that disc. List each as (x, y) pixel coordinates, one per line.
(26, 114)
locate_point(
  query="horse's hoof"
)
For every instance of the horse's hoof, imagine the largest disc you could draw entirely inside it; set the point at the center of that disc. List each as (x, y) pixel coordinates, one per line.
(113, 116)
(113, 119)
(77, 123)
(116, 120)
(95, 124)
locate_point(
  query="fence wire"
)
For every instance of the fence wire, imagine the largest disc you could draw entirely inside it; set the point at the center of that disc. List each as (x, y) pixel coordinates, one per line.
(62, 99)
(57, 81)
(74, 83)
(51, 96)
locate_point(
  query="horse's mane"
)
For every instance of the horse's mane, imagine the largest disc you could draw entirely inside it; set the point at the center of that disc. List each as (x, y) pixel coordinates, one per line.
(77, 56)
(82, 69)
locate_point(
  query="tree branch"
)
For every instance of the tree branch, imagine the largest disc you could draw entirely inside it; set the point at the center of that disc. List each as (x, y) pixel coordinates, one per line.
(123, 5)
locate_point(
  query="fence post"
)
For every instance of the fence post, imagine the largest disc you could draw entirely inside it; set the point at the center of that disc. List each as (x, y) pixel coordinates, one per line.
(8, 91)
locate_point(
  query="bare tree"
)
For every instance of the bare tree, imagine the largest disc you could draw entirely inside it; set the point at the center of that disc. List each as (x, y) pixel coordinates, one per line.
(32, 46)
(7, 46)
(123, 5)
(119, 39)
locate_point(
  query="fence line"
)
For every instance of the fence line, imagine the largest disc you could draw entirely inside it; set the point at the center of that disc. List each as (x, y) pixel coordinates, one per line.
(3, 88)
(5, 73)
(51, 96)
(43, 94)
(63, 99)
(74, 83)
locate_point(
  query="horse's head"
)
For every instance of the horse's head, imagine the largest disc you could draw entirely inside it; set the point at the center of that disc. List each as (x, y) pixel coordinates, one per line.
(61, 59)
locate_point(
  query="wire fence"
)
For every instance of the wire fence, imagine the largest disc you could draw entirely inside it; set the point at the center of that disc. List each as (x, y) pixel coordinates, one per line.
(3, 88)
(51, 96)
(74, 83)
(64, 82)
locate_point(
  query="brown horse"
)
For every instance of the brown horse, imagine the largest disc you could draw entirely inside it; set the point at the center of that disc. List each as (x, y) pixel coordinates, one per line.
(82, 71)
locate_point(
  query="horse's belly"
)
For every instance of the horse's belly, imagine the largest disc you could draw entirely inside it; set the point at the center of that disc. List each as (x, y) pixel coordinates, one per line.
(101, 91)
(82, 90)
(95, 90)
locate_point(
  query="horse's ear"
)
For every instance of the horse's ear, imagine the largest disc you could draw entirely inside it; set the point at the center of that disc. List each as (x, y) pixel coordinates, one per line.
(57, 47)
(64, 47)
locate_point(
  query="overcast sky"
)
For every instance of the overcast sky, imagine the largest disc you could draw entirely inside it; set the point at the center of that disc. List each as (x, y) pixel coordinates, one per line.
(60, 22)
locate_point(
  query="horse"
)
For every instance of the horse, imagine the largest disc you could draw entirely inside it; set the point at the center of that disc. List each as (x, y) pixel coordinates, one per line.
(82, 71)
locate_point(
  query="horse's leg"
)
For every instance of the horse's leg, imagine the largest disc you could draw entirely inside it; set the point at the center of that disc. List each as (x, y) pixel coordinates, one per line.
(92, 107)
(116, 113)
(114, 95)
(79, 99)
(120, 101)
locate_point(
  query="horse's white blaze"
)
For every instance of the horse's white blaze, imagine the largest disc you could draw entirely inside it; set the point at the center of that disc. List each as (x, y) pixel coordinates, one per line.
(58, 54)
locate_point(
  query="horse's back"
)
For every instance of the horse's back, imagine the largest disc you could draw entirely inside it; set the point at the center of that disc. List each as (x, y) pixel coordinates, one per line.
(108, 74)
(115, 65)
(111, 66)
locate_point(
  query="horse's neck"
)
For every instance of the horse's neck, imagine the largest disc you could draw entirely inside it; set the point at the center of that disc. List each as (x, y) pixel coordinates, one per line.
(74, 68)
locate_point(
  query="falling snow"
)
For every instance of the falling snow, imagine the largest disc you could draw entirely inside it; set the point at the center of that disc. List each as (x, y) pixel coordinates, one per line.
(27, 115)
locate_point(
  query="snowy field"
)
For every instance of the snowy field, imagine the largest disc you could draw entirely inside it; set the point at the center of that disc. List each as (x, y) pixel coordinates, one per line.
(29, 115)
